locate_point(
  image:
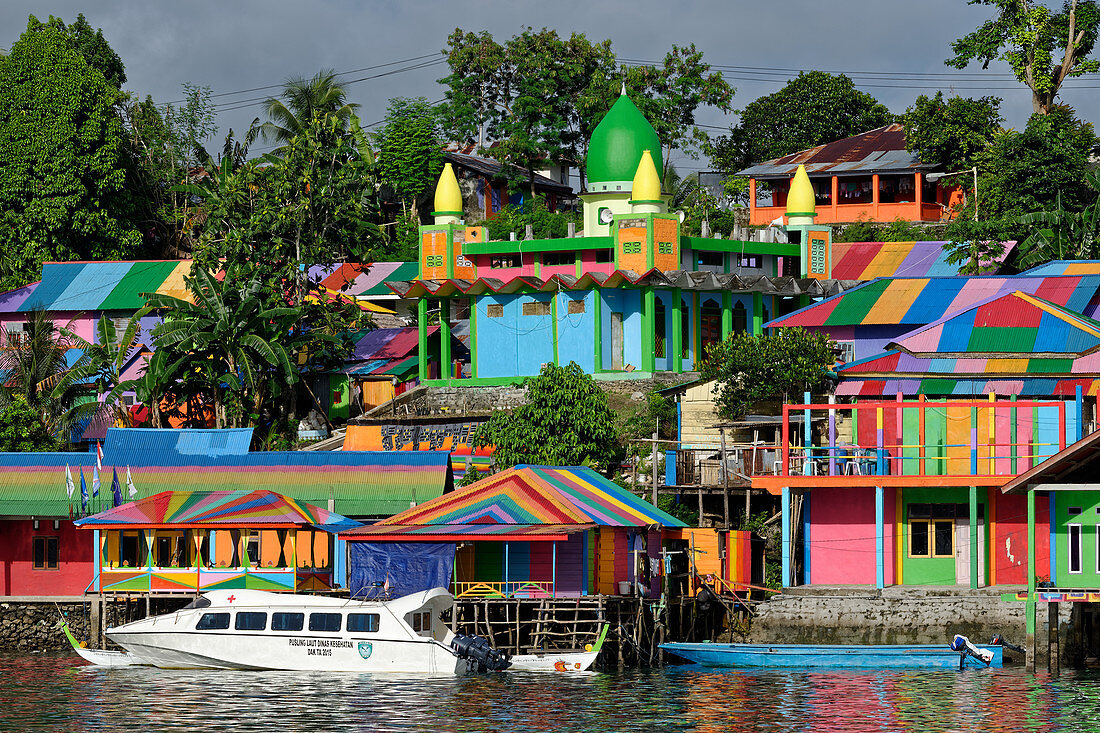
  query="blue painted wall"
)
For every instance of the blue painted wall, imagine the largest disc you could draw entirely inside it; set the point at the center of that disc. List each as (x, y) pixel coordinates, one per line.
(667, 298)
(629, 303)
(577, 331)
(513, 344)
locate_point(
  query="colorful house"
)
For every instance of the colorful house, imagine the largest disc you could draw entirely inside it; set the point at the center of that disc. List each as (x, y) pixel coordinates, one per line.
(908, 492)
(1063, 529)
(44, 554)
(535, 532)
(194, 541)
(870, 175)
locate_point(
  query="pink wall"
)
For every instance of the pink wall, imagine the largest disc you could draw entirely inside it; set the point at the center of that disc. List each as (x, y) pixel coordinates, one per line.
(842, 536)
(548, 270)
(504, 273)
(75, 559)
(589, 264)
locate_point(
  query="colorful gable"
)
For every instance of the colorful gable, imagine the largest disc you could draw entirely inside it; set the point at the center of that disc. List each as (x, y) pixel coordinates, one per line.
(870, 260)
(539, 495)
(216, 509)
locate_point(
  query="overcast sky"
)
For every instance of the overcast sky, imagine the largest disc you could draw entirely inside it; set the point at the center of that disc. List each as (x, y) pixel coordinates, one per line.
(893, 49)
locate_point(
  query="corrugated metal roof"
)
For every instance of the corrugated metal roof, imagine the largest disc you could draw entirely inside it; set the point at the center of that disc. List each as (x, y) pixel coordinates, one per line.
(464, 532)
(140, 280)
(361, 483)
(921, 301)
(217, 509)
(876, 151)
(492, 168)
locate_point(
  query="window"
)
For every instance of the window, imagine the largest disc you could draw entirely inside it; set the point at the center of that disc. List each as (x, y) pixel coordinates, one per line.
(604, 256)
(250, 621)
(45, 553)
(324, 622)
(536, 308)
(128, 551)
(361, 622)
(932, 528)
(846, 351)
(421, 622)
(575, 306)
(502, 261)
(555, 259)
(748, 261)
(212, 621)
(282, 621)
(494, 310)
(252, 549)
(710, 259)
(1073, 547)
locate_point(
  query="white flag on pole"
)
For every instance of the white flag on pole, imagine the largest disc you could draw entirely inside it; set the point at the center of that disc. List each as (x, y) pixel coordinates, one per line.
(69, 487)
(130, 485)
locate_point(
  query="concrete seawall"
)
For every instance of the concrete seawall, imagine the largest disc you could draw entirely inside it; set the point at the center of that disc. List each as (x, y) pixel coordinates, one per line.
(860, 615)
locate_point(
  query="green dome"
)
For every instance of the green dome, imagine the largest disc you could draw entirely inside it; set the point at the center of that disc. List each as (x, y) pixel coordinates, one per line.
(617, 144)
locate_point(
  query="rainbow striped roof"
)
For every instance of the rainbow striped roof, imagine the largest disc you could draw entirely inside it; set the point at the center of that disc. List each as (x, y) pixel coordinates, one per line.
(217, 509)
(527, 495)
(1065, 267)
(868, 260)
(1016, 323)
(102, 286)
(920, 301)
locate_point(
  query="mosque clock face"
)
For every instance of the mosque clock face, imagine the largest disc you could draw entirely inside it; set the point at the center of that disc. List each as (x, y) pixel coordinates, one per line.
(604, 215)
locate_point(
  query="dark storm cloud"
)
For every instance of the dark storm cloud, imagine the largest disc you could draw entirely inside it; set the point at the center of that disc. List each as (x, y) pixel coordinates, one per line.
(237, 46)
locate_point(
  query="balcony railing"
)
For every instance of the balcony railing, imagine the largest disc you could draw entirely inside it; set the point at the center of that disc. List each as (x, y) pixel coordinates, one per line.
(509, 589)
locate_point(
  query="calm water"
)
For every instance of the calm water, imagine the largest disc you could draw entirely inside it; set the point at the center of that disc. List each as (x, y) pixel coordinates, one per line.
(57, 693)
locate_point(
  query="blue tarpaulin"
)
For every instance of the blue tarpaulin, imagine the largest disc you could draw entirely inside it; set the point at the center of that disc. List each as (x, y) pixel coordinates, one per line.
(407, 566)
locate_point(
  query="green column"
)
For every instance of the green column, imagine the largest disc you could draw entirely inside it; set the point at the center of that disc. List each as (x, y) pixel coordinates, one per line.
(554, 324)
(677, 333)
(649, 310)
(473, 337)
(597, 306)
(727, 314)
(974, 537)
(757, 314)
(1029, 609)
(422, 326)
(445, 338)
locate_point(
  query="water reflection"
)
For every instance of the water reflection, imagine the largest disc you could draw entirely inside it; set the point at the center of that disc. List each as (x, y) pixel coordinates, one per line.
(57, 693)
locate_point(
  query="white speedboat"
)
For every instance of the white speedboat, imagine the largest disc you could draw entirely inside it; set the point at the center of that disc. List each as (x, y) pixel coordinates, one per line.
(248, 629)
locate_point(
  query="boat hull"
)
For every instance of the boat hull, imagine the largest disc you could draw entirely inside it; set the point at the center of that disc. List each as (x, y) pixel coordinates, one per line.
(176, 650)
(829, 656)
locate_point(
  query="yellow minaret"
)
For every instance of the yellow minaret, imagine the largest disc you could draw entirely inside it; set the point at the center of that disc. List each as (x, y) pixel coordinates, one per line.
(448, 198)
(801, 206)
(645, 195)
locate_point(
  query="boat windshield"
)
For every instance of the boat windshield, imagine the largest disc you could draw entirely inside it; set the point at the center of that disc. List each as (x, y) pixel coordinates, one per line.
(200, 602)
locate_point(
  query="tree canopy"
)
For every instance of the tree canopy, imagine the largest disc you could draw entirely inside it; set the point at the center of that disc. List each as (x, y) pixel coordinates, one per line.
(1042, 47)
(812, 109)
(565, 422)
(63, 156)
(539, 96)
(748, 369)
(410, 150)
(951, 133)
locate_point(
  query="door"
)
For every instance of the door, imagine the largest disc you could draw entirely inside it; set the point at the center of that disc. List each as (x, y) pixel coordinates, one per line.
(962, 551)
(617, 341)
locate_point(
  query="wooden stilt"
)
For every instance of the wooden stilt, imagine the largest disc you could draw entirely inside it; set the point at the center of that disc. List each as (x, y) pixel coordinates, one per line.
(1053, 661)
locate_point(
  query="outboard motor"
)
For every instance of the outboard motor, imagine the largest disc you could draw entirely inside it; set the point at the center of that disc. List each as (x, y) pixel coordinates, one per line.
(999, 640)
(476, 651)
(965, 649)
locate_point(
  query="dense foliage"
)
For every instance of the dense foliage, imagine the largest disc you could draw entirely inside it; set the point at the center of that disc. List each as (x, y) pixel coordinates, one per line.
(63, 156)
(22, 430)
(812, 109)
(565, 422)
(1042, 47)
(748, 369)
(410, 151)
(951, 133)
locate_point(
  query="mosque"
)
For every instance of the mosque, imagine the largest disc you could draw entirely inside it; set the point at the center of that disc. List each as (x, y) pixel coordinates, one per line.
(629, 296)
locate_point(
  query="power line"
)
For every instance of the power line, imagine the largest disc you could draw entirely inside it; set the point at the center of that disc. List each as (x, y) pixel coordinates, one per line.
(338, 73)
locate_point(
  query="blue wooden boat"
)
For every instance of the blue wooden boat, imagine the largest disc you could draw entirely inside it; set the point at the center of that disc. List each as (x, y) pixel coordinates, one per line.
(832, 656)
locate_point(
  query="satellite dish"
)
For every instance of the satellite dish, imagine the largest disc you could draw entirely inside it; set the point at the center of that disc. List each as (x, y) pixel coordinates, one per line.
(682, 216)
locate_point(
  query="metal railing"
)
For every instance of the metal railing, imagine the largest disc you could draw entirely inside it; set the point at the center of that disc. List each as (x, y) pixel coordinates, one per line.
(509, 589)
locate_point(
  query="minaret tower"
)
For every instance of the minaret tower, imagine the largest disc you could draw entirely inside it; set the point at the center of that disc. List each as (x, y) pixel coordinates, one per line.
(815, 241)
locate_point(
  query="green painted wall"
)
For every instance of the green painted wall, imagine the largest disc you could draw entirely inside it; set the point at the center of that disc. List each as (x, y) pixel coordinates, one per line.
(931, 570)
(1089, 503)
(489, 562)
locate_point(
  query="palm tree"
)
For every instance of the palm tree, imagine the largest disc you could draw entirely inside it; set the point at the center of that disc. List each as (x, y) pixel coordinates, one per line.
(158, 383)
(1064, 234)
(31, 362)
(99, 370)
(303, 100)
(232, 341)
